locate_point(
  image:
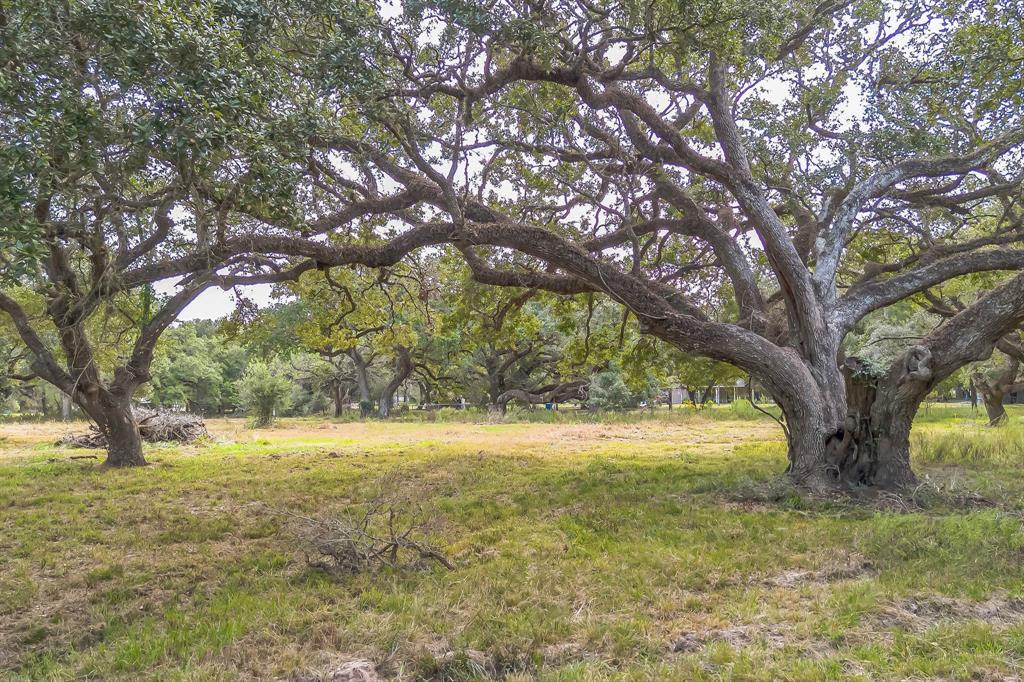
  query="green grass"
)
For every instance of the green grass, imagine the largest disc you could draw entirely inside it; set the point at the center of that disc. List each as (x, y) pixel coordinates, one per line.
(583, 550)
(970, 442)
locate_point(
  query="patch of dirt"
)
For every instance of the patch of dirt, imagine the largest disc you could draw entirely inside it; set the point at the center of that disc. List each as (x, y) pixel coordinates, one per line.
(737, 636)
(921, 613)
(771, 636)
(852, 567)
(355, 670)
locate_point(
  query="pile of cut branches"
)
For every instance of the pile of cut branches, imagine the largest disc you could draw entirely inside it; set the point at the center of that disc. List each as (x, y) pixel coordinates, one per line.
(155, 426)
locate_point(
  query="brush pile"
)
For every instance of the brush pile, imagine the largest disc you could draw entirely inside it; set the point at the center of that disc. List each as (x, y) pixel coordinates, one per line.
(154, 427)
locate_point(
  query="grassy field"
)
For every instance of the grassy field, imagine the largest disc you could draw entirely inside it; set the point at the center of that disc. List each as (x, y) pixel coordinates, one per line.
(662, 549)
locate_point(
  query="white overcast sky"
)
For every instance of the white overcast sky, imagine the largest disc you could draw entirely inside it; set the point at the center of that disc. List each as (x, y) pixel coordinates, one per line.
(214, 303)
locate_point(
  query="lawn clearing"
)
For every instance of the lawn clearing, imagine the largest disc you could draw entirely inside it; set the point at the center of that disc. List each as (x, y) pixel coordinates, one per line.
(660, 549)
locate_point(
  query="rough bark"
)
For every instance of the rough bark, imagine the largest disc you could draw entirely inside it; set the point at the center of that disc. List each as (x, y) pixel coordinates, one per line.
(403, 368)
(994, 409)
(993, 390)
(117, 422)
(873, 448)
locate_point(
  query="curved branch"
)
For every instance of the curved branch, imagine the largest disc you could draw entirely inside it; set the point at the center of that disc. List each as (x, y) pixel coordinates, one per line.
(864, 298)
(834, 239)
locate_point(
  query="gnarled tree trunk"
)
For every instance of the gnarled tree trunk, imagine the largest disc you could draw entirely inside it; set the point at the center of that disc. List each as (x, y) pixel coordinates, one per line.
(993, 390)
(403, 368)
(115, 419)
(874, 448)
(994, 409)
(871, 447)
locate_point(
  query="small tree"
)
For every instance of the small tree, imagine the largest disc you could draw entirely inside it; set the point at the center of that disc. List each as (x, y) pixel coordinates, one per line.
(264, 391)
(609, 392)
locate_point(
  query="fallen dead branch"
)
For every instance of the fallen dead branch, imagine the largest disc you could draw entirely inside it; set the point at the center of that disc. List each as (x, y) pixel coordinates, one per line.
(154, 426)
(381, 536)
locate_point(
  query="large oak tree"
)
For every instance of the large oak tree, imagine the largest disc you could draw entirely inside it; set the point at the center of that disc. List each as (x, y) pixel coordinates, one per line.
(749, 180)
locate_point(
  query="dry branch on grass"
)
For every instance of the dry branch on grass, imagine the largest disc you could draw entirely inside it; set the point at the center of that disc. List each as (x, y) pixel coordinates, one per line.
(154, 427)
(382, 536)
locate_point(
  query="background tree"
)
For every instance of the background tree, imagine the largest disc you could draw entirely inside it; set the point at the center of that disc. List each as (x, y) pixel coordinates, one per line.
(317, 379)
(124, 167)
(608, 391)
(495, 330)
(197, 367)
(994, 381)
(355, 317)
(514, 345)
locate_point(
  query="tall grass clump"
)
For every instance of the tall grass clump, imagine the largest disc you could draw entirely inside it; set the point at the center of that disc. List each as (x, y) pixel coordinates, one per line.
(742, 409)
(969, 443)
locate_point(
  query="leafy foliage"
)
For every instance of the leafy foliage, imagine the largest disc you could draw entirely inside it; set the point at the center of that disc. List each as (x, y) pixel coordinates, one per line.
(265, 391)
(198, 368)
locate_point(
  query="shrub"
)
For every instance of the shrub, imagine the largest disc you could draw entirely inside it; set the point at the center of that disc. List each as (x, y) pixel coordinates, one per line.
(264, 391)
(365, 408)
(609, 392)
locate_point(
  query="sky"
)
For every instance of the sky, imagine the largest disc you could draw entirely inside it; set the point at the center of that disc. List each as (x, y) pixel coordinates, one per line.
(215, 303)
